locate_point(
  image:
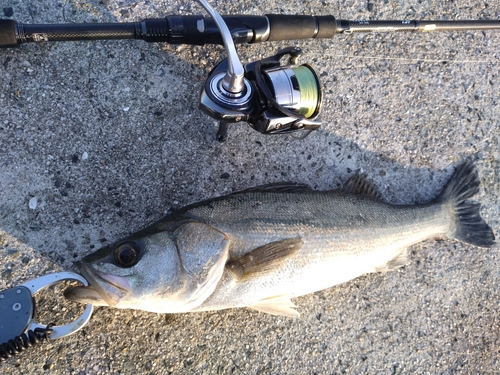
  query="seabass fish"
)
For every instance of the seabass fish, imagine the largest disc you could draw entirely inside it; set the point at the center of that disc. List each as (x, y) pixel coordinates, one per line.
(259, 248)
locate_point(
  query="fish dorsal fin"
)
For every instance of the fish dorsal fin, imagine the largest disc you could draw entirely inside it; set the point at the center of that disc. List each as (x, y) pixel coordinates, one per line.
(279, 187)
(358, 184)
(279, 305)
(263, 259)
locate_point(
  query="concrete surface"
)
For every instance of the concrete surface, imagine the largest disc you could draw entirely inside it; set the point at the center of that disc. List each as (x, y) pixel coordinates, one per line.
(107, 137)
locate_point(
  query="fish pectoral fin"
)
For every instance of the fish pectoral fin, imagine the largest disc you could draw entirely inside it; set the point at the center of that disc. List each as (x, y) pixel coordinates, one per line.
(398, 261)
(358, 184)
(263, 259)
(279, 305)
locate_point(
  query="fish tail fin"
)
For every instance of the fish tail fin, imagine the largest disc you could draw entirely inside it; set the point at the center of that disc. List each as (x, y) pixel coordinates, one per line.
(469, 225)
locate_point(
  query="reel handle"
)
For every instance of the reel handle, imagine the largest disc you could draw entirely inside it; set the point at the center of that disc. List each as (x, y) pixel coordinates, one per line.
(233, 80)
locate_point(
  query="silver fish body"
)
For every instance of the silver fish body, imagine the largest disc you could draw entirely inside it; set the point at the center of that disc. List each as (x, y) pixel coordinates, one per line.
(261, 247)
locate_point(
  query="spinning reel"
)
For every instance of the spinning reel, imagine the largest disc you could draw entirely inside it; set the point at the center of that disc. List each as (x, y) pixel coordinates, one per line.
(273, 98)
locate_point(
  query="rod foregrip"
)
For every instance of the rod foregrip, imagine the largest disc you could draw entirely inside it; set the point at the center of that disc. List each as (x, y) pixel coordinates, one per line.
(292, 27)
(8, 38)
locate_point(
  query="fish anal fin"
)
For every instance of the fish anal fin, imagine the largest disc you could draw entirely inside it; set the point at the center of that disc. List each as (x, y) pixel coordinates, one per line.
(279, 305)
(358, 184)
(398, 261)
(263, 259)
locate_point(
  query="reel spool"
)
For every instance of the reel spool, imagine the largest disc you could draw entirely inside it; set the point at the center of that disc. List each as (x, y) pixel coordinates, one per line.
(296, 89)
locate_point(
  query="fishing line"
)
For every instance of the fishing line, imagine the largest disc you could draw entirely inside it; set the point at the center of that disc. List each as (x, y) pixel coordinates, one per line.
(409, 60)
(309, 90)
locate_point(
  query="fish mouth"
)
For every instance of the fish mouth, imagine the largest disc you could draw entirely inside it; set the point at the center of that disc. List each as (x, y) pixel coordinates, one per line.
(106, 286)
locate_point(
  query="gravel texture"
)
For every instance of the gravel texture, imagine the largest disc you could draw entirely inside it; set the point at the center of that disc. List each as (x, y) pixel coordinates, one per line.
(99, 139)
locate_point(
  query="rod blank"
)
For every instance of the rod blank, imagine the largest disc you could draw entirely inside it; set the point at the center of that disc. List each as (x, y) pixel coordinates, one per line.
(345, 26)
(198, 30)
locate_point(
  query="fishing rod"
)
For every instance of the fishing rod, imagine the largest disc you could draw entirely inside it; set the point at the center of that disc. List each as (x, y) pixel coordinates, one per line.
(271, 96)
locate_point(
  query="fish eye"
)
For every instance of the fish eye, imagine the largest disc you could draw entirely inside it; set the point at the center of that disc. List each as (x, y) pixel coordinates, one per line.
(127, 254)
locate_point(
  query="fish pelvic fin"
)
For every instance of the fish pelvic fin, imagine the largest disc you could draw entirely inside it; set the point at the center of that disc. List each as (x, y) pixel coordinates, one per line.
(398, 261)
(279, 305)
(469, 225)
(263, 259)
